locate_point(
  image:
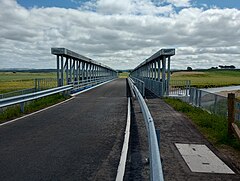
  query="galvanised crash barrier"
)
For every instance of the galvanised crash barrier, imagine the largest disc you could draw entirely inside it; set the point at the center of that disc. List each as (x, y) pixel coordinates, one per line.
(156, 172)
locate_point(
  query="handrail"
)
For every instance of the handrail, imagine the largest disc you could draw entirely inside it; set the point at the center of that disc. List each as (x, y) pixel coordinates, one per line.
(28, 97)
(156, 173)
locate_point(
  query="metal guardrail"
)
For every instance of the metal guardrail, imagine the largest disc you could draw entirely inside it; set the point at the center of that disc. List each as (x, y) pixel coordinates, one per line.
(140, 85)
(32, 96)
(17, 93)
(156, 173)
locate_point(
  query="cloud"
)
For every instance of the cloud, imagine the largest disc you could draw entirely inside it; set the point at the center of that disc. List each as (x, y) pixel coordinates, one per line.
(136, 7)
(121, 38)
(180, 3)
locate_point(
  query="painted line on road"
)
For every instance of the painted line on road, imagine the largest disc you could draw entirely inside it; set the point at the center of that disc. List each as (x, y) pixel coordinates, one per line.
(123, 159)
(8, 122)
(14, 120)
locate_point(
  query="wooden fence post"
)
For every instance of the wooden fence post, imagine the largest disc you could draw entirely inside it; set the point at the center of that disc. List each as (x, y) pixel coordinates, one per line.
(231, 112)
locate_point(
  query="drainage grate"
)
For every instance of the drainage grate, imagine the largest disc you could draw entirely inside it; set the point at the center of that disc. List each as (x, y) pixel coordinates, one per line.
(200, 158)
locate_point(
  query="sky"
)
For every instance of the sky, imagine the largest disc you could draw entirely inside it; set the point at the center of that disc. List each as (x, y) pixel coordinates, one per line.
(120, 33)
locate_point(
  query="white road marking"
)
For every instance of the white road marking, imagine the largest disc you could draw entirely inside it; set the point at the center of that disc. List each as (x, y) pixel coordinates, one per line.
(123, 159)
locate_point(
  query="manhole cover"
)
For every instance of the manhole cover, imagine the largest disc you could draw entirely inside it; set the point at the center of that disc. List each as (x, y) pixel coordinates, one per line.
(200, 158)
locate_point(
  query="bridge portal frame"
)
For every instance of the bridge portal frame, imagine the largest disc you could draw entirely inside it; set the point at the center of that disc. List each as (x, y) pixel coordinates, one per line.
(78, 68)
(155, 72)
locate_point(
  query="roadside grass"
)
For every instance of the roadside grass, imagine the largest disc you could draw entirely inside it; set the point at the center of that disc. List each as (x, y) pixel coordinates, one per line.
(213, 127)
(123, 75)
(209, 78)
(15, 112)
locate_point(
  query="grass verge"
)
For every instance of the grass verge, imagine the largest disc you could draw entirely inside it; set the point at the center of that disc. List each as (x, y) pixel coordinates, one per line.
(213, 127)
(15, 112)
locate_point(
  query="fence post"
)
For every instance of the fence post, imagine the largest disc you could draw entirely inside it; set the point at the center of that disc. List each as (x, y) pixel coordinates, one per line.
(196, 97)
(200, 98)
(231, 110)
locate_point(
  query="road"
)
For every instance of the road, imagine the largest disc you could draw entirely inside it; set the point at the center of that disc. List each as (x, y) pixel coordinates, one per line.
(77, 140)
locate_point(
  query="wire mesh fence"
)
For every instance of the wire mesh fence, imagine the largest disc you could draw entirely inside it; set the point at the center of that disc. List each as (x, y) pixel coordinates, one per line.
(237, 112)
(211, 102)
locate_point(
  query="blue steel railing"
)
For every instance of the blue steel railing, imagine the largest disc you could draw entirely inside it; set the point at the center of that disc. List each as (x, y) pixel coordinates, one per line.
(32, 96)
(156, 173)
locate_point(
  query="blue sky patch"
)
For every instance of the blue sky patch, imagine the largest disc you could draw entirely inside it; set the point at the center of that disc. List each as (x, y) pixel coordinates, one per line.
(76, 3)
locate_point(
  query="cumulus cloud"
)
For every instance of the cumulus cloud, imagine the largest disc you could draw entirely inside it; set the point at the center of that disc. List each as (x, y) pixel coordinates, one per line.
(121, 38)
(133, 7)
(180, 3)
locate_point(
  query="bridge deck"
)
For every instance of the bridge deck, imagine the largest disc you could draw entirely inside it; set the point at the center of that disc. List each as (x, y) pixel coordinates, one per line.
(77, 140)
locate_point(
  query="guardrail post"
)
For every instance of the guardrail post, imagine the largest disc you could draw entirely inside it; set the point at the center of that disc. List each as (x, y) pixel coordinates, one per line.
(200, 98)
(22, 107)
(196, 97)
(158, 136)
(215, 104)
(231, 110)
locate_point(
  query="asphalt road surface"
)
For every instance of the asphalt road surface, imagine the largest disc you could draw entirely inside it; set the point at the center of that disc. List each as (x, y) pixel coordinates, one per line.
(77, 140)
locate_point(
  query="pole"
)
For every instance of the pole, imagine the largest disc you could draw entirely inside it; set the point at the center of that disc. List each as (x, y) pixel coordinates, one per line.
(231, 109)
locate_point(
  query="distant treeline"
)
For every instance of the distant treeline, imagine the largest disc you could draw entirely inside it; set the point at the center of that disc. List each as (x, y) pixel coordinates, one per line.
(29, 70)
(205, 70)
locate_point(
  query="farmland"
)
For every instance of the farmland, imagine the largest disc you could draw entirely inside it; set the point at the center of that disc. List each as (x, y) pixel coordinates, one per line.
(123, 75)
(211, 78)
(11, 81)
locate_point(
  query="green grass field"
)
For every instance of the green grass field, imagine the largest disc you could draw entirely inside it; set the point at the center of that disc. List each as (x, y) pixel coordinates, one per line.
(211, 78)
(123, 75)
(10, 81)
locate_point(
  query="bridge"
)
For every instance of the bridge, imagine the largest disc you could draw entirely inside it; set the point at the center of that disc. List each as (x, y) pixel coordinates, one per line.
(106, 131)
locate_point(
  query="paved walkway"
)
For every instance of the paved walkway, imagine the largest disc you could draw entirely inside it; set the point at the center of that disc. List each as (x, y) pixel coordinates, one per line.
(176, 128)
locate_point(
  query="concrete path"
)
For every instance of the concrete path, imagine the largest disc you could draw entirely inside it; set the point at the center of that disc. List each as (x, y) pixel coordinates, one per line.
(176, 128)
(77, 140)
